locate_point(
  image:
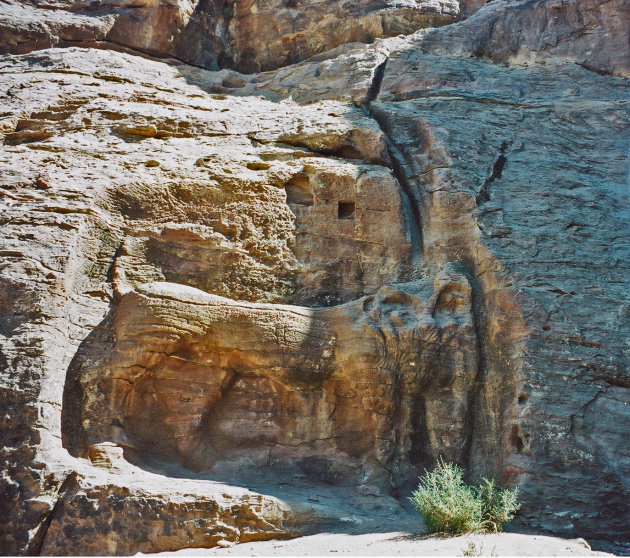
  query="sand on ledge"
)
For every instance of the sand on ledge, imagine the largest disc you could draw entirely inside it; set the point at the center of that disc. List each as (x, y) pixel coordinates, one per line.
(404, 544)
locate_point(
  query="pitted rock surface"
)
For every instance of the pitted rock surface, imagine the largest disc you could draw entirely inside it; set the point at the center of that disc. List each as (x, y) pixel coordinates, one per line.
(240, 304)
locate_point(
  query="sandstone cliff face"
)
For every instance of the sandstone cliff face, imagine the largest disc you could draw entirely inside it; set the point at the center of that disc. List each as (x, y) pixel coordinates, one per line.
(250, 35)
(311, 281)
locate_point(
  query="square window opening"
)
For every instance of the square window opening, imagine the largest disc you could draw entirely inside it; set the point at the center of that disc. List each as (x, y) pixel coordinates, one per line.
(345, 210)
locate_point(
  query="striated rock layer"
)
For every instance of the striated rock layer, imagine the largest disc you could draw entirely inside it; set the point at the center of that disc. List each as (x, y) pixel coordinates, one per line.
(248, 35)
(240, 306)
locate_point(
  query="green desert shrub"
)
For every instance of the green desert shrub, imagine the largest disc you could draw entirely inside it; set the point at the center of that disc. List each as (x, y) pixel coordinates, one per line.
(449, 505)
(498, 505)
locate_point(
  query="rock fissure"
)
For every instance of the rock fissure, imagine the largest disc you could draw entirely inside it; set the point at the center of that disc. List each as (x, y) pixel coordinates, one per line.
(483, 196)
(37, 543)
(409, 197)
(377, 82)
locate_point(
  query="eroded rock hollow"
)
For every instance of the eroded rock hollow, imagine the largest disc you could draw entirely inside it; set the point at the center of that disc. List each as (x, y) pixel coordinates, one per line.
(264, 262)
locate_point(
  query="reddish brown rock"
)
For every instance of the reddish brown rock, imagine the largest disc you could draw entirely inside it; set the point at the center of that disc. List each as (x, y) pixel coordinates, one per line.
(246, 35)
(267, 34)
(312, 281)
(352, 388)
(98, 513)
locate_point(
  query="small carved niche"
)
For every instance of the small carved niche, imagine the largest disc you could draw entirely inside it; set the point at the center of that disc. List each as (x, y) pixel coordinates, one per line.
(345, 210)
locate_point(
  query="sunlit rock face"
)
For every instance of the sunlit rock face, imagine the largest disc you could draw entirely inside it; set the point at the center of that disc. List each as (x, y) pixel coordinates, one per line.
(239, 306)
(263, 35)
(245, 35)
(363, 393)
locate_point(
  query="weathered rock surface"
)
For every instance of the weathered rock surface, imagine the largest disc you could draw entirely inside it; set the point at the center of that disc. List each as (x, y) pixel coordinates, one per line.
(314, 281)
(109, 515)
(256, 35)
(262, 35)
(592, 34)
(337, 393)
(248, 35)
(552, 213)
(128, 214)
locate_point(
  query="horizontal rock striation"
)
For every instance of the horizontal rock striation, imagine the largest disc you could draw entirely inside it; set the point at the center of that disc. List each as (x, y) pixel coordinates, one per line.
(552, 213)
(246, 35)
(345, 388)
(592, 34)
